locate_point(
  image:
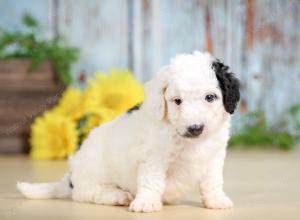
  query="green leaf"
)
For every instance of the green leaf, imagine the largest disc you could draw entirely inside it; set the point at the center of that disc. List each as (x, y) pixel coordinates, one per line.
(29, 21)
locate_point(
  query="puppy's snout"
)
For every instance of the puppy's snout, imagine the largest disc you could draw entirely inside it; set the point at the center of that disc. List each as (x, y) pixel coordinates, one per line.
(195, 130)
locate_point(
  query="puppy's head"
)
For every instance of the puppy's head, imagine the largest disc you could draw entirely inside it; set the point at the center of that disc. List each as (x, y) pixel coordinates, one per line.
(195, 94)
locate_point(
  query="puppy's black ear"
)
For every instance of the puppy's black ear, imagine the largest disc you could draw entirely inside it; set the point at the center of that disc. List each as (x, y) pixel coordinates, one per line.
(230, 86)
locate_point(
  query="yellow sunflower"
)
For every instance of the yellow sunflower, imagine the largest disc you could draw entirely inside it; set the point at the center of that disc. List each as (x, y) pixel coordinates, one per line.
(57, 133)
(53, 136)
(71, 104)
(116, 92)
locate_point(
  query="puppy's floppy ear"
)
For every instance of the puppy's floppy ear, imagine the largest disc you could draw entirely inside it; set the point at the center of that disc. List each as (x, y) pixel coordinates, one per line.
(155, 89)
(229, 85)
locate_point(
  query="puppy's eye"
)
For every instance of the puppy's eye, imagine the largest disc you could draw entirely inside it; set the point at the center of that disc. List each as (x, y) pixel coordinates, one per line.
(210, 97)
(177, 101)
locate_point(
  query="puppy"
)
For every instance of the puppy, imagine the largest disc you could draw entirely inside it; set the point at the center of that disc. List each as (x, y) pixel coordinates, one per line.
(157, 152)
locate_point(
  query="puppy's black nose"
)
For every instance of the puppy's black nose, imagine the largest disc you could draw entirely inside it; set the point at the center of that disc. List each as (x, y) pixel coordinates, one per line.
(195, 130)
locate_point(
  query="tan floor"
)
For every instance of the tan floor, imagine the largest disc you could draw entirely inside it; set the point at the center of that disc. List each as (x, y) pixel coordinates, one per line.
(263, 184)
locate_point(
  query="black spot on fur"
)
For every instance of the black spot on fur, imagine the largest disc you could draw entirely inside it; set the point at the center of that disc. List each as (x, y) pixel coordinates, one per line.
(134, 108)
(71, 184)
(230, 86)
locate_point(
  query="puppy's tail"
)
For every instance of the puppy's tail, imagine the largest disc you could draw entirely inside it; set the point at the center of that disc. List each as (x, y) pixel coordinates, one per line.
(61, 189)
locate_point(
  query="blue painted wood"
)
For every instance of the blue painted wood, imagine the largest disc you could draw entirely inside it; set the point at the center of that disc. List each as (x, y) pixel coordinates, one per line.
(272, 72)
(11, 12)
(183, 25)
(99, 29)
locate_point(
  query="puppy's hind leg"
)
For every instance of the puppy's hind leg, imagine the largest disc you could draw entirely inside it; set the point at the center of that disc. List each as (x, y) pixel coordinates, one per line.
(90, 177)
(104, 194)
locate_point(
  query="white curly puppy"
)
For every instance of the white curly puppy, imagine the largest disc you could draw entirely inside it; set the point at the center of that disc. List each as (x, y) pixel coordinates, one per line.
(157, 152)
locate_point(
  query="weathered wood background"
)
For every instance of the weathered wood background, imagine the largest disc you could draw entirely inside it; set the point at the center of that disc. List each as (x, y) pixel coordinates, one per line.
(23, 96)
(259, 39)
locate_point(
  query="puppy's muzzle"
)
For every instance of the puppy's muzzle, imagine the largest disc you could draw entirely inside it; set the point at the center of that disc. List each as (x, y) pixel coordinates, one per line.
(194, 130)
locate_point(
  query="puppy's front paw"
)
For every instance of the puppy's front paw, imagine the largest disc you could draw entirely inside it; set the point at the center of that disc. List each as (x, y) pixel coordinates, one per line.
(220, 202)
(145, 205)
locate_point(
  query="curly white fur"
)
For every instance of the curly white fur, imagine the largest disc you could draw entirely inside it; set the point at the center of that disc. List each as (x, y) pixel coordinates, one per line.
(144, 154)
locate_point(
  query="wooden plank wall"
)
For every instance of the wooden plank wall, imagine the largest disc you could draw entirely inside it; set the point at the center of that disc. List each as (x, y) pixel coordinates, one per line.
(259, 39)
(99, 29)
